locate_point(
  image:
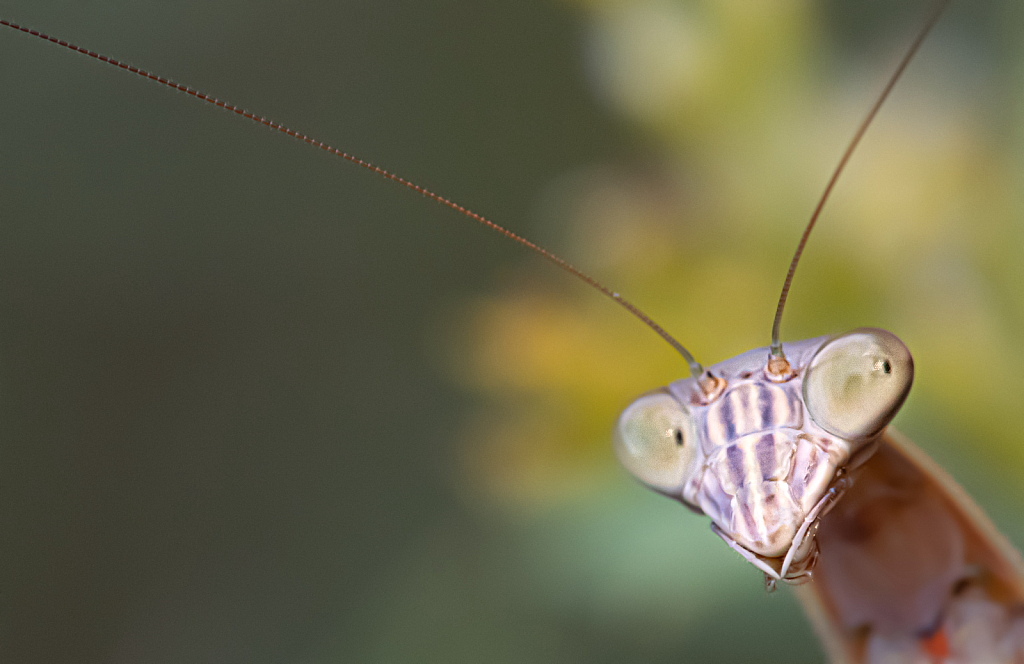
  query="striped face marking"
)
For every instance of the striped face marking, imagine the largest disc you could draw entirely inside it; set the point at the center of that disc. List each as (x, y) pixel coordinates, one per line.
(755, 459)
(749, 408)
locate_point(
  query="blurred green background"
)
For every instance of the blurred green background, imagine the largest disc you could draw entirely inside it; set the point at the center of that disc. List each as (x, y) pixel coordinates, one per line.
(259, 406)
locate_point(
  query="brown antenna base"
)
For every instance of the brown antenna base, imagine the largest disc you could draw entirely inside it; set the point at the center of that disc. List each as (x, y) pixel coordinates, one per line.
(711, 386)
(778, 370)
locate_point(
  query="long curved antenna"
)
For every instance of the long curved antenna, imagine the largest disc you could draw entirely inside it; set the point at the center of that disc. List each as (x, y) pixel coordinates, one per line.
(776, 347)
(695, 367)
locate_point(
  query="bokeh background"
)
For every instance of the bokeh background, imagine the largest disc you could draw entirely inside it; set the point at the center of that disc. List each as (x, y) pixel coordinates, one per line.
(259, 406)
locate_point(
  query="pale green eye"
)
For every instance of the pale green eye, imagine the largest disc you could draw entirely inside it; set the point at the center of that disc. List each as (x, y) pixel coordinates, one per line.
(654, 441)
(856, 383)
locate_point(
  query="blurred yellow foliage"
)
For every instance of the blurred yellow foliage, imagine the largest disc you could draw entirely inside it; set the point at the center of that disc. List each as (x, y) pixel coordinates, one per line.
(746, 119)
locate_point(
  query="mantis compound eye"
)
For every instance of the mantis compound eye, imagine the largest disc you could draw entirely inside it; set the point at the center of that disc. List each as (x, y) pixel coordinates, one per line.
(856, 382)
(654, 440)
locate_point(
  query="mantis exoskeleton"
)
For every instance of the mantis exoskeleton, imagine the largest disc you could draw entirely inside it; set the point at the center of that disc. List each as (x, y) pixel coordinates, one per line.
(282, 237)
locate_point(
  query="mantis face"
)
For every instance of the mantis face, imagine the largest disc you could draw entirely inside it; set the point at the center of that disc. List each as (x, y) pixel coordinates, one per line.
(763, 458)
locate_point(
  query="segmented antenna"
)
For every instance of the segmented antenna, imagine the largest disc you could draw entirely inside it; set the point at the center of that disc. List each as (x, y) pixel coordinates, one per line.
(776, 348)
(695, 367)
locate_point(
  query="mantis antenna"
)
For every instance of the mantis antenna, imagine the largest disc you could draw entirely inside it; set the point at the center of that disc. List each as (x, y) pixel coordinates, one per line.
(777, 359)
(695, 367)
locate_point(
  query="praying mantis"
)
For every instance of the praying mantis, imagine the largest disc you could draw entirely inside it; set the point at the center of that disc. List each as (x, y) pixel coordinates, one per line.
(184, 332)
